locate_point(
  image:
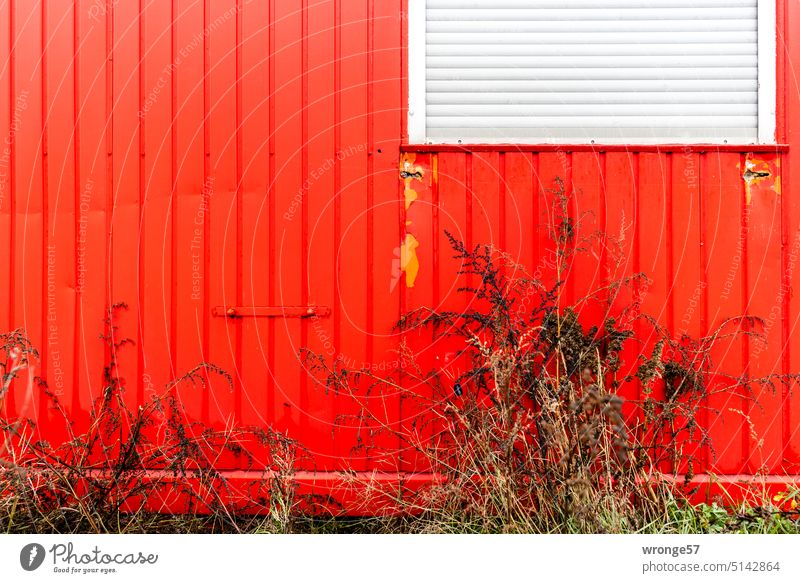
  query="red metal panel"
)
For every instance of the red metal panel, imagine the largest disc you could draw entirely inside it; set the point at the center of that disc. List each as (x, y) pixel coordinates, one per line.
(687, 288)
(320, 194)
(586, 274)
(223, 218)
(289, 164)
(449, 213)
(60, 202)
(451, 216)
(156, 192)
(517, 191)
(353, 248)
(7, 99)
(788, 51)
(92, 154)
(763, 279)
(622, 261)
(487, 226)
(272, 400)
(654, 210)
(421, 250)
(387, 115)
(29, 261)
(123, 177)
(191, 192)
(256, 277)
(722, 209)
(550, 165)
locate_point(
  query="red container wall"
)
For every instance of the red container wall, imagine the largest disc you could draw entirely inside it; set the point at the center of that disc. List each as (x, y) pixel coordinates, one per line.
(193, 157)
(199, 154)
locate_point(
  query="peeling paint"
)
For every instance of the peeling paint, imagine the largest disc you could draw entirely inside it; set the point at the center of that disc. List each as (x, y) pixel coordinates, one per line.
(759, 173)
(409, 264)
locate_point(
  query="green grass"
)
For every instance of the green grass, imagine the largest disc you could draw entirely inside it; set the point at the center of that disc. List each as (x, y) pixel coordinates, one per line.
(678, 518)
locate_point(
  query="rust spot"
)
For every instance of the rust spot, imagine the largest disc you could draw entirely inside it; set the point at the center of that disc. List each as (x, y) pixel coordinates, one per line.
(408, 173)
(416, 174)
(750, 175)
(409, 264)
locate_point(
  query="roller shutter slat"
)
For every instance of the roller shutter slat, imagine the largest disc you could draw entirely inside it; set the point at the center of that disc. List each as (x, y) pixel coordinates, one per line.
(733, 49)
(731, 121)
(627, 135)
(489, 98)
(590, 38)
(593, 73)
(595, 109)
(712, 15)
(616, 26)
(601, 62)
(522, 4)
(581, 85)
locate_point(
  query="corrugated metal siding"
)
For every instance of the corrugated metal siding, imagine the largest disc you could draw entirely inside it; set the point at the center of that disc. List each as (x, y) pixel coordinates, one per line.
(154, 157)
(180, 156)
(711, 247)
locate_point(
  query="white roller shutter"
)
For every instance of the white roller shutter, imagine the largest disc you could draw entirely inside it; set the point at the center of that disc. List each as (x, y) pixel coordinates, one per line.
(610, 71)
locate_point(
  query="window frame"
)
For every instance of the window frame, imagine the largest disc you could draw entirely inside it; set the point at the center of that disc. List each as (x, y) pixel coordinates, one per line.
(767, 95)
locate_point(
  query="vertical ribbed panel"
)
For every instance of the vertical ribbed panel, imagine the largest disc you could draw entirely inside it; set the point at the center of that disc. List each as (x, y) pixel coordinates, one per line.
(709, 243)
(178, 156)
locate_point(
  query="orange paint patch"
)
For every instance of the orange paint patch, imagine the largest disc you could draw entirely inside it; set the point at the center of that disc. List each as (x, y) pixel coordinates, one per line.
(761, 174)
(409, 264)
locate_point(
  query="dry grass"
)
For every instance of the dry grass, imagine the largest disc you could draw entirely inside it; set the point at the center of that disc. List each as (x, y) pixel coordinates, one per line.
(128, 463)
(525, 428)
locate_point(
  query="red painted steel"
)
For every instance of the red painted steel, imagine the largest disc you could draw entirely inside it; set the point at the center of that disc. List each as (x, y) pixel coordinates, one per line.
(195, 156)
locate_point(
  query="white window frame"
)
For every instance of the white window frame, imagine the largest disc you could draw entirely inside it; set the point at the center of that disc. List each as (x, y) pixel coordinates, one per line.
(767, 62)
(767, 85)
